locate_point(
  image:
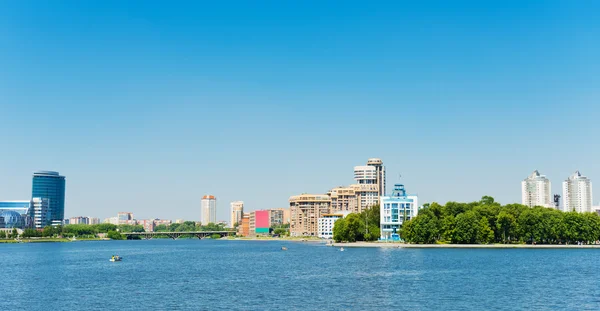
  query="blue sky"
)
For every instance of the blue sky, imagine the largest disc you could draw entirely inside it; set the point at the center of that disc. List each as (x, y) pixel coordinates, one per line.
(145, 107)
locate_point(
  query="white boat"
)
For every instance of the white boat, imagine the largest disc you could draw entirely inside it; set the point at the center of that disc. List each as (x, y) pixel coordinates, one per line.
(341, 249)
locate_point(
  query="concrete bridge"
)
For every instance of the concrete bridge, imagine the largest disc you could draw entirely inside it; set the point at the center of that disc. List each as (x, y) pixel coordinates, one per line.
(175, 235)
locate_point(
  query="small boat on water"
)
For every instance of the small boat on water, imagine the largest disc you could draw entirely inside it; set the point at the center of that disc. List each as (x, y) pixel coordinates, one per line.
(341, 249)
(283, 248)
(115, 258)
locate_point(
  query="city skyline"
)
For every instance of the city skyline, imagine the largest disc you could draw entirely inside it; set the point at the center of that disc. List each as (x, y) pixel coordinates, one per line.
(225, 211)
(144, 108)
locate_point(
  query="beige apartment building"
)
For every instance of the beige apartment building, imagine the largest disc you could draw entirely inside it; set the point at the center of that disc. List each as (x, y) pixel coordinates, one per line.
(343, 199)
(305, 211)
(369, 187)
(237, 212)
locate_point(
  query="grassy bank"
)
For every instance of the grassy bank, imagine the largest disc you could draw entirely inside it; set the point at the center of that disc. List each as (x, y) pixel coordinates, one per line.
(50, 240)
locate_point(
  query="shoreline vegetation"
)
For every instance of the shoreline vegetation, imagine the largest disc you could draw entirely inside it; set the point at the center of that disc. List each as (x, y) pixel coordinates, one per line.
(488, 222)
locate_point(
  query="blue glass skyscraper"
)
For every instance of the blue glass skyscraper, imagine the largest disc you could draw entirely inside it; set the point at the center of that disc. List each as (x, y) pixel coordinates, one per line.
(51, 186)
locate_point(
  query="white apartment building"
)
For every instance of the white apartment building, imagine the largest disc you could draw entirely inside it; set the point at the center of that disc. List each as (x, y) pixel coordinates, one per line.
(327, 222)
(208, 210)
(577, 194)
(395, 209)
(536, 190)
(237, 212)
(41, 212)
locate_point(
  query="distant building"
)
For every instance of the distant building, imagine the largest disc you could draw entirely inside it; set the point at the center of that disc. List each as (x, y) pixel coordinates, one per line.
(51, 186)
(395, 209)
(147, 224)
(305, 211)
(577, 194)
(158, 222)
(93, 221)
(259, 222)
(111, 220)
(79, 220)
(237, 212)
(536, 190)
(209, 209)
(244, 227)
(124, 217)
(327, 222)
(278, 216)
(179, 221)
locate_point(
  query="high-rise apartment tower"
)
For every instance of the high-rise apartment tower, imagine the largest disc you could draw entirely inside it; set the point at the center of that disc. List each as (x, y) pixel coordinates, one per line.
(577, 194)
(536, 190)
(208, 209)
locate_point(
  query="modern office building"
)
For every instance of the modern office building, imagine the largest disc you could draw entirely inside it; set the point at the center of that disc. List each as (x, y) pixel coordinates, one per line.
(327, 222)
(237, 212)
(395, 209)
(9, 211)
(50, 185)
(577, 194)
(12, 219)
(208, 209)
(41, 212)
(536, 190)
(305, 211)
(93, 221)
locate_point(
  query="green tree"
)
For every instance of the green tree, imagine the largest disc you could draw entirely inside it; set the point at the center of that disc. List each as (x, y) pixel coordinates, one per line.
(104, 228)
(529, 223)
(281, 231)
(2, 234)
(114, 235)
(466, 229)
(14, 234)
(422, 229)
(340, 230)
(161, 228)
(485, 234)
(506, 224)
(355, 227)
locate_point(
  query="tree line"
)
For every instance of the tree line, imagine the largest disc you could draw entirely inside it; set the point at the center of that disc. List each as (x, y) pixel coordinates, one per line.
(78, 230)
(354, 227)
(487, 221)
(189, 226)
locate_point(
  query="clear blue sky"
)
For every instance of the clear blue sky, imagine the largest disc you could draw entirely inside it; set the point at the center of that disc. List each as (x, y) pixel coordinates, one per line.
(146, 106)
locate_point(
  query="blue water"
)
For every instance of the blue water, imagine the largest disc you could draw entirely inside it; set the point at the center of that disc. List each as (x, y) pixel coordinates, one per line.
(256, 275)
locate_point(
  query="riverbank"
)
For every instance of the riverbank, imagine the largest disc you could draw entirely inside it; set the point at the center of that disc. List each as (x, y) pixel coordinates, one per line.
(51, 240)
(284, 239)
(464, 246)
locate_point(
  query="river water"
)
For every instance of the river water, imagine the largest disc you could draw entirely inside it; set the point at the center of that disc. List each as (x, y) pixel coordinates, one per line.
(258, 275)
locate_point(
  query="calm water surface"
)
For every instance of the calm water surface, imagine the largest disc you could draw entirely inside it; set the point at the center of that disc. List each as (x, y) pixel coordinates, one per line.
(256, 275)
